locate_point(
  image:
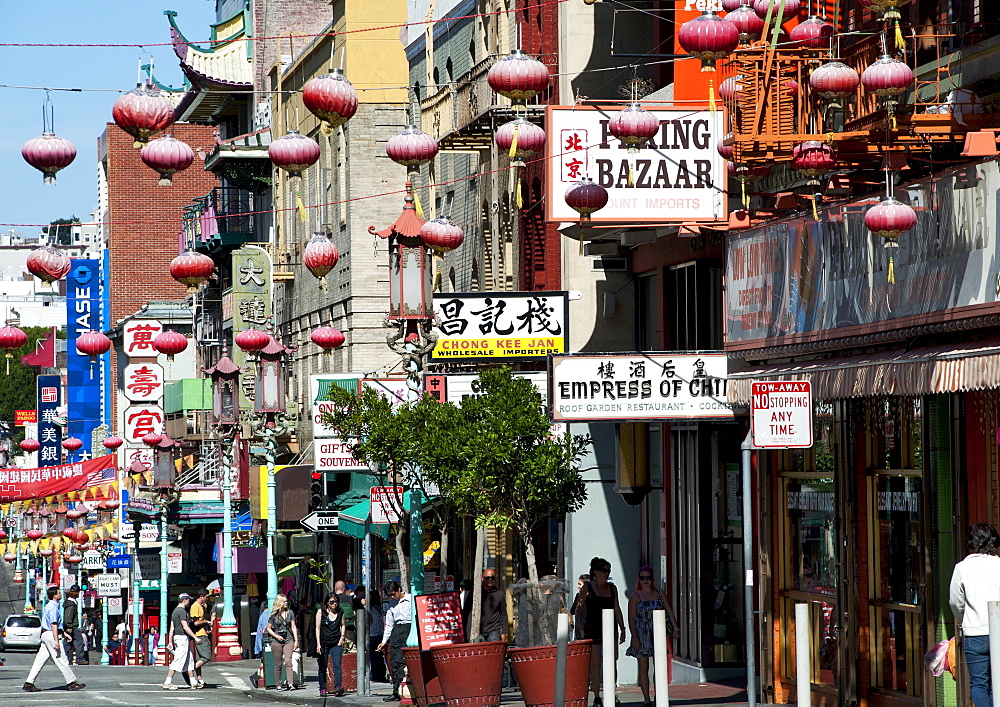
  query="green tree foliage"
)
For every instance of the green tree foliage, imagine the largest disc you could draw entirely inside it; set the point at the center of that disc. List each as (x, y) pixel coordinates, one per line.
(17, 388)
(61, 235)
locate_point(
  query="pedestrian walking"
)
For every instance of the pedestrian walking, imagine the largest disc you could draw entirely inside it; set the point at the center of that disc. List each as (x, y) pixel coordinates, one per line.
(347, 606)
(201, 623)
(578, 610)
(262, 640)
(397, 628)
(51, 647)
(179, 637)
(284, 636)
(376, 624)
(597, 595)
(975, 582)
(493, 623)
(76, 647)
(150, 641)
(330, 635)
(646, 599)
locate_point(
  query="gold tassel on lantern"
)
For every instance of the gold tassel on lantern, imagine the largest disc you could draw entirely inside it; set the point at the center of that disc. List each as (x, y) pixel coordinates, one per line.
(301, 207)
(517, 193)
(814, 200)
(900, 42)
(630, 182)
(712, 106)
(512, 153)
(892, 271)
(743, 192)
(417, 205)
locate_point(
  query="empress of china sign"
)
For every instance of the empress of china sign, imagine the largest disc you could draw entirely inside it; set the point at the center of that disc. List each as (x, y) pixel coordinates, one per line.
(639, 387)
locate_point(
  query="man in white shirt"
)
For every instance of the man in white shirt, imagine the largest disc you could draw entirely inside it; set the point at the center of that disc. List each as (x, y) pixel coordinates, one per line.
(52, 628)
(397, 628)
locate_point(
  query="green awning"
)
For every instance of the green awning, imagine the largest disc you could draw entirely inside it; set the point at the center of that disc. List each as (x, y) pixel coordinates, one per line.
(327, 384)
(354, 521)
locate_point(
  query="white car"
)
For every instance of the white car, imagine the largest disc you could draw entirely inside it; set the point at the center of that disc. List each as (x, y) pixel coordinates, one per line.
(21, 631)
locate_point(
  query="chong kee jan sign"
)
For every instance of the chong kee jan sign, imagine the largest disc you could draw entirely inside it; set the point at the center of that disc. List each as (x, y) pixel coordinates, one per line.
(639, 387)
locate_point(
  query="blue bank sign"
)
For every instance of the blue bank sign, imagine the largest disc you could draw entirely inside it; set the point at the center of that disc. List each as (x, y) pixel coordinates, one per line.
(84, 301)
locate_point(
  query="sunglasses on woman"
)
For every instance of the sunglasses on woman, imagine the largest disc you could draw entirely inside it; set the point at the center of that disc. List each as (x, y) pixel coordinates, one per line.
(645, 578)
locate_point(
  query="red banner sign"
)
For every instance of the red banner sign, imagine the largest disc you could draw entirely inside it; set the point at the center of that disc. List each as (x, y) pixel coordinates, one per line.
(21, 484)
(22, 417)
(439, 617)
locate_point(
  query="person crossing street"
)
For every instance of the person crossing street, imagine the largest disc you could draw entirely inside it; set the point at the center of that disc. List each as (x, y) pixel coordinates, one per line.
(179, 636)
(51, 647)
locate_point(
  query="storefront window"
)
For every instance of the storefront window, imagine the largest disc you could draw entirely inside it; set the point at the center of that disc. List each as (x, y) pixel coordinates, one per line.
(811, 512)
(897, 500)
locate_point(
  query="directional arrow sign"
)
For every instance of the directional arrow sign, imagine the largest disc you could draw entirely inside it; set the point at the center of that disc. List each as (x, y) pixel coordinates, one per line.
(321, 521)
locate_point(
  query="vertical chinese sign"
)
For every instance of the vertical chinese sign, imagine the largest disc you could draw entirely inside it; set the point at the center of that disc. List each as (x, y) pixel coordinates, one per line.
(49, 400)
(251, 306)
(142, 386)
(85, 379)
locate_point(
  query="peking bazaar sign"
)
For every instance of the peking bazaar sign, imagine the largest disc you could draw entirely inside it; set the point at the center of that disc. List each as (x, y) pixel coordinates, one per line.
(677, 176)
(21, 484)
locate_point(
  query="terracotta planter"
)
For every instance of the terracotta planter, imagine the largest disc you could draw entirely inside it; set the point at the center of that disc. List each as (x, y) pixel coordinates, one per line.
(535, 670)
(424, 682)
(470, 673)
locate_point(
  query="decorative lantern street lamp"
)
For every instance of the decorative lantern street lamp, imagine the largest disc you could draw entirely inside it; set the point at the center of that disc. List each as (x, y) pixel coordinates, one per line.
(192, 269)
(320, 257)
(410, 285)
(331, 98)
(48, 263)
(168, 156)
(269, 381)
(143, 112)
(225, 379)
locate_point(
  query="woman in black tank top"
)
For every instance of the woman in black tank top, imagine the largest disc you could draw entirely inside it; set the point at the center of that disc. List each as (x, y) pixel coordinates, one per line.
(596, 596)
(330, 643)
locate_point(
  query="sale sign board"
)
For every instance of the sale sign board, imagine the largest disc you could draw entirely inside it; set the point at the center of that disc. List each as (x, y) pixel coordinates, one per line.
(781, 414)
(439, 618)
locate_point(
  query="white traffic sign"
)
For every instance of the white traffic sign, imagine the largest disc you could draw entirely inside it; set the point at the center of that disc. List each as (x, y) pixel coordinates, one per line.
(321, 521)
(109, 585)
(385, 503)
(149, 566)
(781, 414)
(92, 560)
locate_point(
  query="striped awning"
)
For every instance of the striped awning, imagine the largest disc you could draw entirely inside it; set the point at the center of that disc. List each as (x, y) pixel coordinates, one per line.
(922, 371)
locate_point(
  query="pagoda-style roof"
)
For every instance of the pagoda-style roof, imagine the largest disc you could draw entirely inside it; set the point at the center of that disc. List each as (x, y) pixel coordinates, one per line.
(224, 367)
(408, 224)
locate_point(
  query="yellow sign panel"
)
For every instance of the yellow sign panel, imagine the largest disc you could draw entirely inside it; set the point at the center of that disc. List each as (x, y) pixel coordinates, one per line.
(498, 348)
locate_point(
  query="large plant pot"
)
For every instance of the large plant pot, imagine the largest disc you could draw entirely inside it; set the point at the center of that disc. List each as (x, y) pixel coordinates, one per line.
(470, 673)
(424, 682)
(535, 670)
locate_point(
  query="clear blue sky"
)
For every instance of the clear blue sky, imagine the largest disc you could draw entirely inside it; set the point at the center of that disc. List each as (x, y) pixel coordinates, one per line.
(79, 117)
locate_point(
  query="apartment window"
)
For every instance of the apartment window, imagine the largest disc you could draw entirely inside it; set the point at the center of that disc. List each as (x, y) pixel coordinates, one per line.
(692, 295)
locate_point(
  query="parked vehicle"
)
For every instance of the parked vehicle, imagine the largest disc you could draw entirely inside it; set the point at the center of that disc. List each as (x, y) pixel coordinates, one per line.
(21, 631)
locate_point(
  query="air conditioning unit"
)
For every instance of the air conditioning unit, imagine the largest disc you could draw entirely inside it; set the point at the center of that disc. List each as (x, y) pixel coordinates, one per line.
(609, 264)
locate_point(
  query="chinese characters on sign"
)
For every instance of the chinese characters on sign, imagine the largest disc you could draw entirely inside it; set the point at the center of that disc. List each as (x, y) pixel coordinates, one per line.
(678, 176)
(143, 382)
(504, 325)
(50, 480)
(139, 335)
(49, 434)
(439, 618)
(140, 420)
(250, 306)
(642, 386)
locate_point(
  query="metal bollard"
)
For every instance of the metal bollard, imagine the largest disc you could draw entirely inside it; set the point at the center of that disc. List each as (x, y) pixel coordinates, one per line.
(608, 629)
(803, 682)
(661, 678)
(993, 613)
(562, 643)
(361, 646)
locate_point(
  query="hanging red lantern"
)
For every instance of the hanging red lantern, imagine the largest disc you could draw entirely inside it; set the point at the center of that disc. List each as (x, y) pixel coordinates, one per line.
(320, 257)
(3, 534)
(888, 8)
(81, 537)
(518, 77)
(293, 153)
(73, 559)
(814, 33)
(328, 338)
(71, 444)
(170, 343)
(729, 88)
(143, 112)
(331, 98)
(168, 156)
(9, 556)
(111, 504)
(252, 340)
(634, 126)
(151, 439)
(748, 22)
(791, 8)
(34, 534)
(726, 151)
(11, 339)
(48, 154)
(890, 218)
(69, 533)
(93, 344)
(29, 445)
(411, 147)
(708, 37)
(520, 139)
(48, 263)
(834, 80)
(887, 78)
(192, 269)
(113, 442)
(731, 5)
(585, 197)
(748, 173)
(46, 552)
(813, 158)
(441, 235)
(75, 512)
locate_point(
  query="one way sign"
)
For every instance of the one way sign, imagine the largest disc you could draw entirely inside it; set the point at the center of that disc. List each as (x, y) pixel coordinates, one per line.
(320, 521)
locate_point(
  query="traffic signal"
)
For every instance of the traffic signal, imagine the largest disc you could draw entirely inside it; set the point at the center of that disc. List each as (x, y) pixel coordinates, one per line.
(317, 492)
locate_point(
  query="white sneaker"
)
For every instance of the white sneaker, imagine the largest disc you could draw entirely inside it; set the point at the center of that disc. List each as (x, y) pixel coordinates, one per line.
(169, 686)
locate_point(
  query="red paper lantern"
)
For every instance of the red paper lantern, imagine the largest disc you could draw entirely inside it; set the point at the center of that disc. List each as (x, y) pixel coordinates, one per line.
(48, 263)
(331, 98)
(814, 33)
(168, 156)
(441, 235)
(518, 77)
(143, 112)
(93, 344)
(72, 444)
(729, 88)
(791, 8)
(520, 139)
(328, 338)
(73, 559)
(887, 78)
(748, 173)
(251, 340)
(170, 343)
(634, 126)
(46, 552)
(82, 536)
(731, 5)
(69, 533)
(9, 556)
(151, 439)
(411, 147)
(725, 150)
(34, 534)
(12, 338)
(585, 197)
(320, 255)
(748, 22)
(111, 504)
(813, 158)
(48, 154)
(293, 153)
(834, 80)
(890, 219)
(708, 37)
(3, 534)
(75, 512)
(192, 269)
(113, 442)
(29, 445)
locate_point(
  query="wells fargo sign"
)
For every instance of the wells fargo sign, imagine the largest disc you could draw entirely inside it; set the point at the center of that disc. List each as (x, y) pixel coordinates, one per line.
(24, 417)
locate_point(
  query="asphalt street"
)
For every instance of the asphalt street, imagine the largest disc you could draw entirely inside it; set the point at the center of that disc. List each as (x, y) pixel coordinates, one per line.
(226, 684)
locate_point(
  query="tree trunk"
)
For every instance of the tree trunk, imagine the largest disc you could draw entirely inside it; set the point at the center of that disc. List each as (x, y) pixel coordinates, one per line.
(403, 550)
(477, 584)
(444, 516)
(529, 555)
